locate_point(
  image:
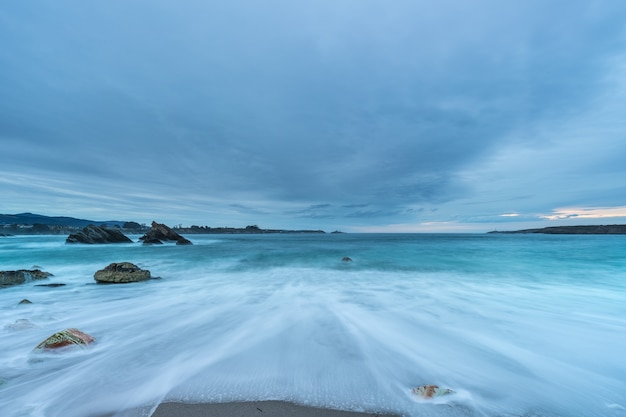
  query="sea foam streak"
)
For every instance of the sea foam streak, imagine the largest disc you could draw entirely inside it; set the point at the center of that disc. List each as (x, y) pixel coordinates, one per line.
(515, 326)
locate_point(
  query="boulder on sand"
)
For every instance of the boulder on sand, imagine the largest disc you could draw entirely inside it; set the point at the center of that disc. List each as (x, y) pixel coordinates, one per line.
(120, 273)
(160, 232)
(8, 278)
(67, 337)
(95, 234)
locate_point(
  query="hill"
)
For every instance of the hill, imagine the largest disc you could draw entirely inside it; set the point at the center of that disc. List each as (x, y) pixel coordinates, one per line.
(613, 229)
(32, 219)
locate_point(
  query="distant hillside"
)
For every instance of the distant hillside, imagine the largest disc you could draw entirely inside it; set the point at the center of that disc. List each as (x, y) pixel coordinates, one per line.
(613, 229)
(30, 219)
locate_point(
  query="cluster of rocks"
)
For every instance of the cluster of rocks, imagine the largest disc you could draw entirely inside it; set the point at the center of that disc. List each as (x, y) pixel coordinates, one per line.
(122, 272)
(117, 272)
(157, 234)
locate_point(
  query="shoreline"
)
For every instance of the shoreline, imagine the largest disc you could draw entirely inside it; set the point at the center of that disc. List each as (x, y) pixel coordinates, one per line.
(274, 408)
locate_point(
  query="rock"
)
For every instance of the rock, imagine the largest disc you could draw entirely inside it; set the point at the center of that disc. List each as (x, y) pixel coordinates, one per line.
(122, 272)
(51, 285)
(20, 324)
(160, 232)
(95, 234)
(430, 391)
(8, 278)
(25, 301)
(346, 259)
(149, 240)
(67, 337)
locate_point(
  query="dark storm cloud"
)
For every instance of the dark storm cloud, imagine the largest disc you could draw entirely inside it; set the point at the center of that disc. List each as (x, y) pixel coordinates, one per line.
(370, 103)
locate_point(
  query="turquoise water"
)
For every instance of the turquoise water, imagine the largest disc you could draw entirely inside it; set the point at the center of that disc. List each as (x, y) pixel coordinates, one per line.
(517, 325)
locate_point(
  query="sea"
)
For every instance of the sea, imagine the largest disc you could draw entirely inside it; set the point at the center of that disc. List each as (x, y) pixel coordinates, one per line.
(515, 325)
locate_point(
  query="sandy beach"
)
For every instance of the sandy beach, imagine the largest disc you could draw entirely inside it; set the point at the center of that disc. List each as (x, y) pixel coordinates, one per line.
(252, 409)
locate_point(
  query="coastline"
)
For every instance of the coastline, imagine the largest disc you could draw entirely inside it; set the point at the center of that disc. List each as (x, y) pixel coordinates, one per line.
(265, 408)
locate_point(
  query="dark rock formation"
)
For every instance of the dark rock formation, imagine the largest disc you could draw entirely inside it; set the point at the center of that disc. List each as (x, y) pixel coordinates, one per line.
(21, 276)
(54, 285)
(346, 259)
(120, 273)
(150, 240)
(67, 337)
(160, 232)
(95, 234)
(25, 301)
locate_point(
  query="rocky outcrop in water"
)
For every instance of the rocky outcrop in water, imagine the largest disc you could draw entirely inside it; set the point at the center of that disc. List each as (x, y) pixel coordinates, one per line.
(20, 324)
(160, 232)
(95, 234)
(8, 278)
(65, 338)
(121, 273)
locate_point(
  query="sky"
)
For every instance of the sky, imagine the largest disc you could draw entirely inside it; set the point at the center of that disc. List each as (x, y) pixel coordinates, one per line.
(352, 115)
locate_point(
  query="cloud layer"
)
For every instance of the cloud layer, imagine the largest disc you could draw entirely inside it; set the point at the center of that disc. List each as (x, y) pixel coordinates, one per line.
(349, 113)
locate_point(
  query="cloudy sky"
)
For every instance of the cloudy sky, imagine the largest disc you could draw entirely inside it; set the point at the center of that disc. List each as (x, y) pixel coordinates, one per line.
(358, 115)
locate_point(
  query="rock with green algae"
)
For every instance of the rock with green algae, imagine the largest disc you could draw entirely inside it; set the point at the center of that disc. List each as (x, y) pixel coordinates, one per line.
(65, 338)
(121, 273)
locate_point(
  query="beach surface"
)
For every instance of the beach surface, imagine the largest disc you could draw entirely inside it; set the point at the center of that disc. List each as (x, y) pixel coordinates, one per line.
(252, 409)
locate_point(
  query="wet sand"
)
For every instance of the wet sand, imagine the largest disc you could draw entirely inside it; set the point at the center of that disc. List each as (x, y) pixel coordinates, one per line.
(253, 409)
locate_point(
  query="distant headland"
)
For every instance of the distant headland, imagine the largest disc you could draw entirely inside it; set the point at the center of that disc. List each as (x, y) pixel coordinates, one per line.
(37, 224)
(613, 229)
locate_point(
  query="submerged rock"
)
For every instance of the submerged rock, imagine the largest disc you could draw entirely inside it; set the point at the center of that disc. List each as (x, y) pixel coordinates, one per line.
(95, 234)
(160, 232)
(430, 391)
(54, 285)
(20, 324)
(25, 301)
(122, 272)
(8, 278)
(67, 337)
(346, 259)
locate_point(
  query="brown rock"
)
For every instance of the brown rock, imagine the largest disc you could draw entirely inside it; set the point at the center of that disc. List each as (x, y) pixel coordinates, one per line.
(122, 272)
(430, 391)
(67, 337)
